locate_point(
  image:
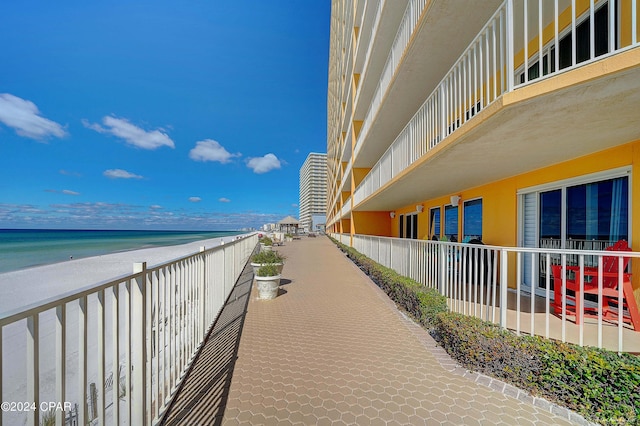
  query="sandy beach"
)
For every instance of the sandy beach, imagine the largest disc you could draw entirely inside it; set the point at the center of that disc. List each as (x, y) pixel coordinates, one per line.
(28, 286)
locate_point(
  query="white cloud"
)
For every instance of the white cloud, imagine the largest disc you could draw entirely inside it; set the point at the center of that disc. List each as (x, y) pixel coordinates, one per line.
(24, 117)
(210, 150)
(133, 135)
(195, 199)
(120, 174)
(64, 191)
(264, 164)
(68, 173)
(224, 200)
(155, 207)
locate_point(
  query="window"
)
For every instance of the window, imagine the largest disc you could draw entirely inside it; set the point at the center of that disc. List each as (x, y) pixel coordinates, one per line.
(472, 220)
(434, 223)
(598, 211)
(451, 223)
(409, 226)
(583, 45)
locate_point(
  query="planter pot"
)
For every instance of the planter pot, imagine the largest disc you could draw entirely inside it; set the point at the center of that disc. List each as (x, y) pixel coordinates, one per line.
(268, 287)
(265, 247)
(257, 266)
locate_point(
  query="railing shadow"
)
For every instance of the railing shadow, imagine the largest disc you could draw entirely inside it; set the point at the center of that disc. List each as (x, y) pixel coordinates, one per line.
(203, 394)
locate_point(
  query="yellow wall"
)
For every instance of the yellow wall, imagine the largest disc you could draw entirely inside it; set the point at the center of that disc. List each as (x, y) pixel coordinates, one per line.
(500, 201)
(344, 197)
(371, 223)
(345, 226)
(625, 31)
(359, 175)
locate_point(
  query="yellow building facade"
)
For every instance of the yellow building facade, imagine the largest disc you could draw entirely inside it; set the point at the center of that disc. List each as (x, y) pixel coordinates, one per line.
(512, 122)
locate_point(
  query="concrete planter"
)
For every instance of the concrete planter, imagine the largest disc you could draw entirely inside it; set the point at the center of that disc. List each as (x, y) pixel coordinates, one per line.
(268, 287)
(257, 266)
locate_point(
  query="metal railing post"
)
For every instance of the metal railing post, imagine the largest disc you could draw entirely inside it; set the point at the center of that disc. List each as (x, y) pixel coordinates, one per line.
(509, 46)
(33, 367)
(504, 265)
(139, 348)
(443, 269)
(203, 287)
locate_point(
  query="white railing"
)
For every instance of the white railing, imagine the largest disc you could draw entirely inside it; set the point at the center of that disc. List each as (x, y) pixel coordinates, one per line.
(471, 275)
(403, 36)
(478, 77)
(469, 86)
(115, 352)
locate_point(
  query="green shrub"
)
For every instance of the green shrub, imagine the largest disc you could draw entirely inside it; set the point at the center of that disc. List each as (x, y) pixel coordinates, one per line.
(268, 270)
(600, 385)
(266, 241)
(267, 256)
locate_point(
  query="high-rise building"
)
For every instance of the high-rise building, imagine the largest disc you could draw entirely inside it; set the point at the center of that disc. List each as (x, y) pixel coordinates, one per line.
(313, 192)
(512, 122)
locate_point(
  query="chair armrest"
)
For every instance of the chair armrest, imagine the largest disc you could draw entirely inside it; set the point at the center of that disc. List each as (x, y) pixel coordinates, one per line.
(625, 276)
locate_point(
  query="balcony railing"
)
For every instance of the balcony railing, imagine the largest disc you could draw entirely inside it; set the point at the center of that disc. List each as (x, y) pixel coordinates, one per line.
(115, 352)
(478, 77)
(472, 278)
(403, 36)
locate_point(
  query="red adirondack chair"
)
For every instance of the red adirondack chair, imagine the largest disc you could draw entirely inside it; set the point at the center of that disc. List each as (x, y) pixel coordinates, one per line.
(610, 289)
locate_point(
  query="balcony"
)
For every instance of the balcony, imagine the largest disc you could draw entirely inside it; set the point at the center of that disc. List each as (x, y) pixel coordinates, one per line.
(477, 115)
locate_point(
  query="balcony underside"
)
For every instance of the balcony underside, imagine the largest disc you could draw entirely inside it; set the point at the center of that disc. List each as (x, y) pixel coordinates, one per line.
(442, 36)
(523, 131)
(391, 15)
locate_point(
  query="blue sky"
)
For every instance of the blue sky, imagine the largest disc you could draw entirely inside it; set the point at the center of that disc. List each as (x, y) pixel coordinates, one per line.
(158, 114)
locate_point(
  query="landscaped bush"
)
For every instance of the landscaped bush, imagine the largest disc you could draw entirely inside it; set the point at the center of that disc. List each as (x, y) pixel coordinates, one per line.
(269, 256)
(266, 241)
(600, 385)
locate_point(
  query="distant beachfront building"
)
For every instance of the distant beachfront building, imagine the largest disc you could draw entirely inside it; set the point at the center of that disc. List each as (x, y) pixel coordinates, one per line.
(510, 122)
(313, 192)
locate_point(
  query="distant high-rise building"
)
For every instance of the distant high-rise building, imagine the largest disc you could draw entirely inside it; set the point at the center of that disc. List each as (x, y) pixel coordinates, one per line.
(313, 192)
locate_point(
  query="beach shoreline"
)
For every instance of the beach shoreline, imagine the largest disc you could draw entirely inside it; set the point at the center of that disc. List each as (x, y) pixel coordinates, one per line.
(27, 286)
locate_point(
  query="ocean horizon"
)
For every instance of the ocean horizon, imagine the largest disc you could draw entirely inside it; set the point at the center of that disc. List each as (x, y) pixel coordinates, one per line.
(26, 248)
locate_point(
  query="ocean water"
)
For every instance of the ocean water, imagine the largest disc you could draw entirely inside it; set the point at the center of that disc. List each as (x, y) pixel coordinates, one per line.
(24, 248)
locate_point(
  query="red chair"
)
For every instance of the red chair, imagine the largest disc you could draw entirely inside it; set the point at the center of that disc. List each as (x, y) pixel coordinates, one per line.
(610, 280)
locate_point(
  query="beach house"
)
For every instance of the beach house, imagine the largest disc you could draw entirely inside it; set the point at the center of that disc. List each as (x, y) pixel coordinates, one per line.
(513, 123)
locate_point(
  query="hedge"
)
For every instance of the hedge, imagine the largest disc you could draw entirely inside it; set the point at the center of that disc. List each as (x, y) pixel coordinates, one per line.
(600, 385)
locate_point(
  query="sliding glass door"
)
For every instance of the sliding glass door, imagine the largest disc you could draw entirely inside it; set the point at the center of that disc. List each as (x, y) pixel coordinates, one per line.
(585, 216)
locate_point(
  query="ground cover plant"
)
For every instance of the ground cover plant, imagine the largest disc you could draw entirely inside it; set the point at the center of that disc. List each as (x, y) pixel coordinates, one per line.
(600, 385)
(267, 256)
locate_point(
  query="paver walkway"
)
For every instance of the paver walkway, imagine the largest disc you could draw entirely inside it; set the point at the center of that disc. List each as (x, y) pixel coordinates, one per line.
(332, 349)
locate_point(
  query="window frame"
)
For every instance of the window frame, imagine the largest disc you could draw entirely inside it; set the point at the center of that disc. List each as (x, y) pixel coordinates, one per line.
(464, 216)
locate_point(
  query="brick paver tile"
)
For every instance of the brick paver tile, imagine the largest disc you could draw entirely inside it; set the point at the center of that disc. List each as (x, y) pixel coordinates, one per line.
(334, 348)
